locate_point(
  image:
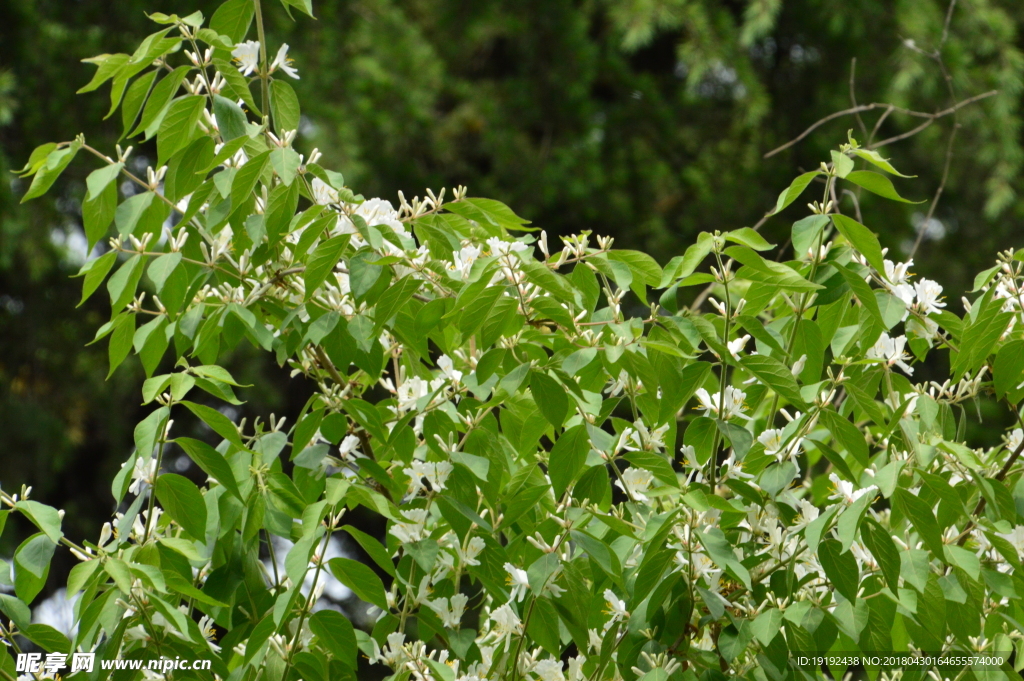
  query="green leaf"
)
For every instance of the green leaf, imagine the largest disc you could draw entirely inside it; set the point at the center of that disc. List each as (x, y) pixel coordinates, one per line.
(841, 163)
(36, 159)
(795, 190)
(700, 435)
(183, 502)
(775, 374)
(133, 214)
(550, 397)
(121, 286)
(119, 572)
(233, 19)
(100, 178)
(806, 233)
(179, 126)
(337, 635)
(567, 458)
(50, 170)
(846, 434)
(768, 271)
(964, 559)
(876, 183)
(488, 212)
(840, 568)
(873, 157)
(286, 164)
(767, 625)
(373, 549)
(120, 340)
(920, 515)
(247, 177)
(159, 101)
(1008, 368)
(862, 239)
(284, 106)
(321, 263)
(220, 424)
(237, 84)
(745, 236)
(211, 462)
(46, 518)
(231, 120)
(47, 638)
(95, 272)
(361, 579)
(32, 566)
(135, 98)
(108, 66)
(883, 548)
(980, 337)
(97, 214)
(644, 267)
(393, 300)
(162, 267)
(721, 552)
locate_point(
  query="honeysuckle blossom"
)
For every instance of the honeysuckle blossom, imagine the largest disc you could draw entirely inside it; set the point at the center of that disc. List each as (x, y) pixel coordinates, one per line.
(616, 608)
(450, 610)
(506, 625)
(435, 472)
(808, 514)
(549, 670)
(844, 491)
(323, 193)
(519, 582)
(468, 556)
(448, 370)
(247, 55)
(892, 350)
(281, 61)
(897, 273)
(736, 346)
(349, 448)
(412, 531)
(733, 403)
(1014, 439)
(929, 295)
(462, 262)
(637, 483)
(499, 247)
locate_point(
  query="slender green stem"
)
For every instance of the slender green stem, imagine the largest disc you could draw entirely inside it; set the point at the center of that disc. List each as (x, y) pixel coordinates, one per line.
(264, 67)
(724, 377)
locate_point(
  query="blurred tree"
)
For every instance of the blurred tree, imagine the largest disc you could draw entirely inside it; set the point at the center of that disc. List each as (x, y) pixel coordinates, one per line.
(643, 119)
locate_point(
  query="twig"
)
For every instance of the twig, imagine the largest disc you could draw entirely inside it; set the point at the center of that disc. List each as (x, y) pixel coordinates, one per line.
(853, 96)
(879, 105)
(937, 56)
(981, 502)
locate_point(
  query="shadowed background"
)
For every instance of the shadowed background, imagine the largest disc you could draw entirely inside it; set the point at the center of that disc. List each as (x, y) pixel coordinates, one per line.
(645, 120)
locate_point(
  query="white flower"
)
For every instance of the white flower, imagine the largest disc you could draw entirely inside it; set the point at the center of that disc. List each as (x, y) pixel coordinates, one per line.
(549, 670)
(323, 193)
(929, 293)
(637, 482)
(143, 474)
(1016, 538)
(845, 492)
(349, 448)
(733, 403)
(473, 549)
(447, 367)
(798, 366)
(736, 346)
(206, 629)
(408, 532)
(519, 581)
(616, 608)
(247, 55)
(904, 292)
(892, 350)
(436, 473)
(772, 440)
(1014, 439)
(499, 247)
(462, 262)
(808, 513)
(897, 273)
(506, 624)
(449, 610)
(281, 62)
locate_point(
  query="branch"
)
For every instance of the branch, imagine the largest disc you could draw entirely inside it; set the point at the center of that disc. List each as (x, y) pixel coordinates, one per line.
(881, 105)
(981, 502)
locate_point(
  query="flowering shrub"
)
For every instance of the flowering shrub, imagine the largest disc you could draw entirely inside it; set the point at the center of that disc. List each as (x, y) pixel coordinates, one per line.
(572, 490)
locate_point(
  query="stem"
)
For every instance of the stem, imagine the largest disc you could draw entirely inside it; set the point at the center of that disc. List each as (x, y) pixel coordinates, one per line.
(724, 378)
(264, 74)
